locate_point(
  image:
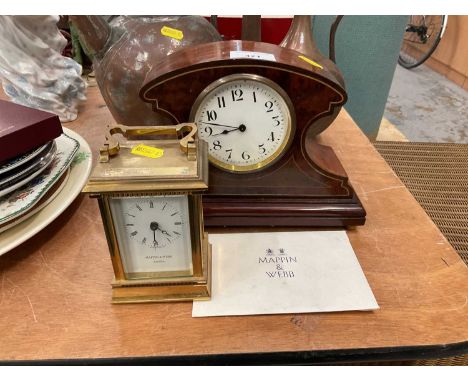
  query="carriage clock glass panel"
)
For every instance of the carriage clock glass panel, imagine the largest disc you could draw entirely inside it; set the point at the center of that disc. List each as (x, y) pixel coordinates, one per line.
(246, 120)
(153, 234)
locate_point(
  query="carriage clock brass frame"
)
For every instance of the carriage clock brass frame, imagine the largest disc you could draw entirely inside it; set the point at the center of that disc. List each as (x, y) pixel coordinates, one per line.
(183, 170)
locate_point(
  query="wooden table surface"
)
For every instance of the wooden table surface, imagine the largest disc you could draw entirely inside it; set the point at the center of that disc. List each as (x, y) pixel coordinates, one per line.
(55, 288)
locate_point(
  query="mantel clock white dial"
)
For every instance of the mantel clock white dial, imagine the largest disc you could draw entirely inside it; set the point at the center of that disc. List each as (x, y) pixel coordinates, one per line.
(247, 121)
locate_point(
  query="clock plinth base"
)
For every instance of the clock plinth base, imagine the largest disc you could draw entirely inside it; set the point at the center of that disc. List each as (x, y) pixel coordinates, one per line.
(309, 188)
(258, 212)
(176, 289)
(142, 294)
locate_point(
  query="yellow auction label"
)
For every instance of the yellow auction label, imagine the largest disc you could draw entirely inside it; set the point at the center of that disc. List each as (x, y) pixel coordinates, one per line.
(171, 32)
(147, 151)
(308, 60)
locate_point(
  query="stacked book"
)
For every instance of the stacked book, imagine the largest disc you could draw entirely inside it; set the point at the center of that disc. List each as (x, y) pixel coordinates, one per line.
(34, 159)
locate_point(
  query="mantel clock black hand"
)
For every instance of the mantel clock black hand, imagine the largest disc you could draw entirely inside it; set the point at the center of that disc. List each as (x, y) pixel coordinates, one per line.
(218, 124)
(241, 128)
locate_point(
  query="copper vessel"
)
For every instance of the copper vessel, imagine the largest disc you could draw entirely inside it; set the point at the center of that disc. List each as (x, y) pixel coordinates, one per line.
(124, 50)
(299, 38)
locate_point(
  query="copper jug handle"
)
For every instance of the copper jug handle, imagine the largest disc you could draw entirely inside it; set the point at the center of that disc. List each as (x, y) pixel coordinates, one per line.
(331, 41)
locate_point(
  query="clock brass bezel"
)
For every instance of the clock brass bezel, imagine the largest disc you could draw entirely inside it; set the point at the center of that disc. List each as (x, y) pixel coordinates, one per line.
(194, 222)
(291, 122)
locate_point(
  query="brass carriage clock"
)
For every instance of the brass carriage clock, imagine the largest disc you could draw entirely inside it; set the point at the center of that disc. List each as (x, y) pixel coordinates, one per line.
(149, 186)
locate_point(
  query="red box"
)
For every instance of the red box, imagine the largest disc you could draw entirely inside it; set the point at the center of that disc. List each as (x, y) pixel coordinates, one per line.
(273, 29)
(23, 129)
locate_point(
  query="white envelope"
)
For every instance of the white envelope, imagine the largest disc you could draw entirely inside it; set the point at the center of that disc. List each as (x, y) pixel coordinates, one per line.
(284, 272)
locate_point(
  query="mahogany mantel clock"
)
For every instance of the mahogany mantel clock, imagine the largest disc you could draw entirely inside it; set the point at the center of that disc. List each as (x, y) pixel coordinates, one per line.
(259, 107)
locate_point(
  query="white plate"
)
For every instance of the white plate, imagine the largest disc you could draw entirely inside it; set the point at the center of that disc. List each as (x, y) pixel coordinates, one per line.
(15, 162)
(79, 173)
(24, 198)
(19, 172)
(37, 207)
(38, 168)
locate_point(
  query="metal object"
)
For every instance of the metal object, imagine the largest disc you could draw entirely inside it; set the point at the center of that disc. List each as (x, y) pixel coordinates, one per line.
(184, 132)
(251, 28)
(300, 38)
(181, 174)
(125, 50)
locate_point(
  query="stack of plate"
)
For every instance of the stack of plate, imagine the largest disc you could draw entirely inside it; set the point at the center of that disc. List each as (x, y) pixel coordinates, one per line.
(20, 170)
(33, 180)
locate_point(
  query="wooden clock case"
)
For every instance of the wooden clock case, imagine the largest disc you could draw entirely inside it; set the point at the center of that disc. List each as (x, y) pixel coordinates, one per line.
(308, 186)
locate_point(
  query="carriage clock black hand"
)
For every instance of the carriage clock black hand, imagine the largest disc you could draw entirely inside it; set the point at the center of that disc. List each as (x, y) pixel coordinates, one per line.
(154, 223)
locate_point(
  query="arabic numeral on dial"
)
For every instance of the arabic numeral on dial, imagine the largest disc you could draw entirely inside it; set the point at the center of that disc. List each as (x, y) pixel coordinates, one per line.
(217, 145)
(269, 106)
(230, 153)
(262, 149)
(271, 137)
(237, 95)
(275, 118)
(245, 155)
(221, 102)
(208, 130)
(211, 114)
(254, 97)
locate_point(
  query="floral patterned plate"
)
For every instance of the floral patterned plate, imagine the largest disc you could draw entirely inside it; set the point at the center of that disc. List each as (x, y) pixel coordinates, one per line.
(44, 201)
(80, 169)
(24, 198)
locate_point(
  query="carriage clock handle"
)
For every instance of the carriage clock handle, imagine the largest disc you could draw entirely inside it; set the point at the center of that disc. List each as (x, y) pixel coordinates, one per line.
(184, 132)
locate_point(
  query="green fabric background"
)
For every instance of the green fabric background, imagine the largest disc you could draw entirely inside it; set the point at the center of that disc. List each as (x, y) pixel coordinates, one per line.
(367, 50)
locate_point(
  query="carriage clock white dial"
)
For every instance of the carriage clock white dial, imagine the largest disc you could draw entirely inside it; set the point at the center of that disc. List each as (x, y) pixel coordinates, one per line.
(153, 233)
(247, 121)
